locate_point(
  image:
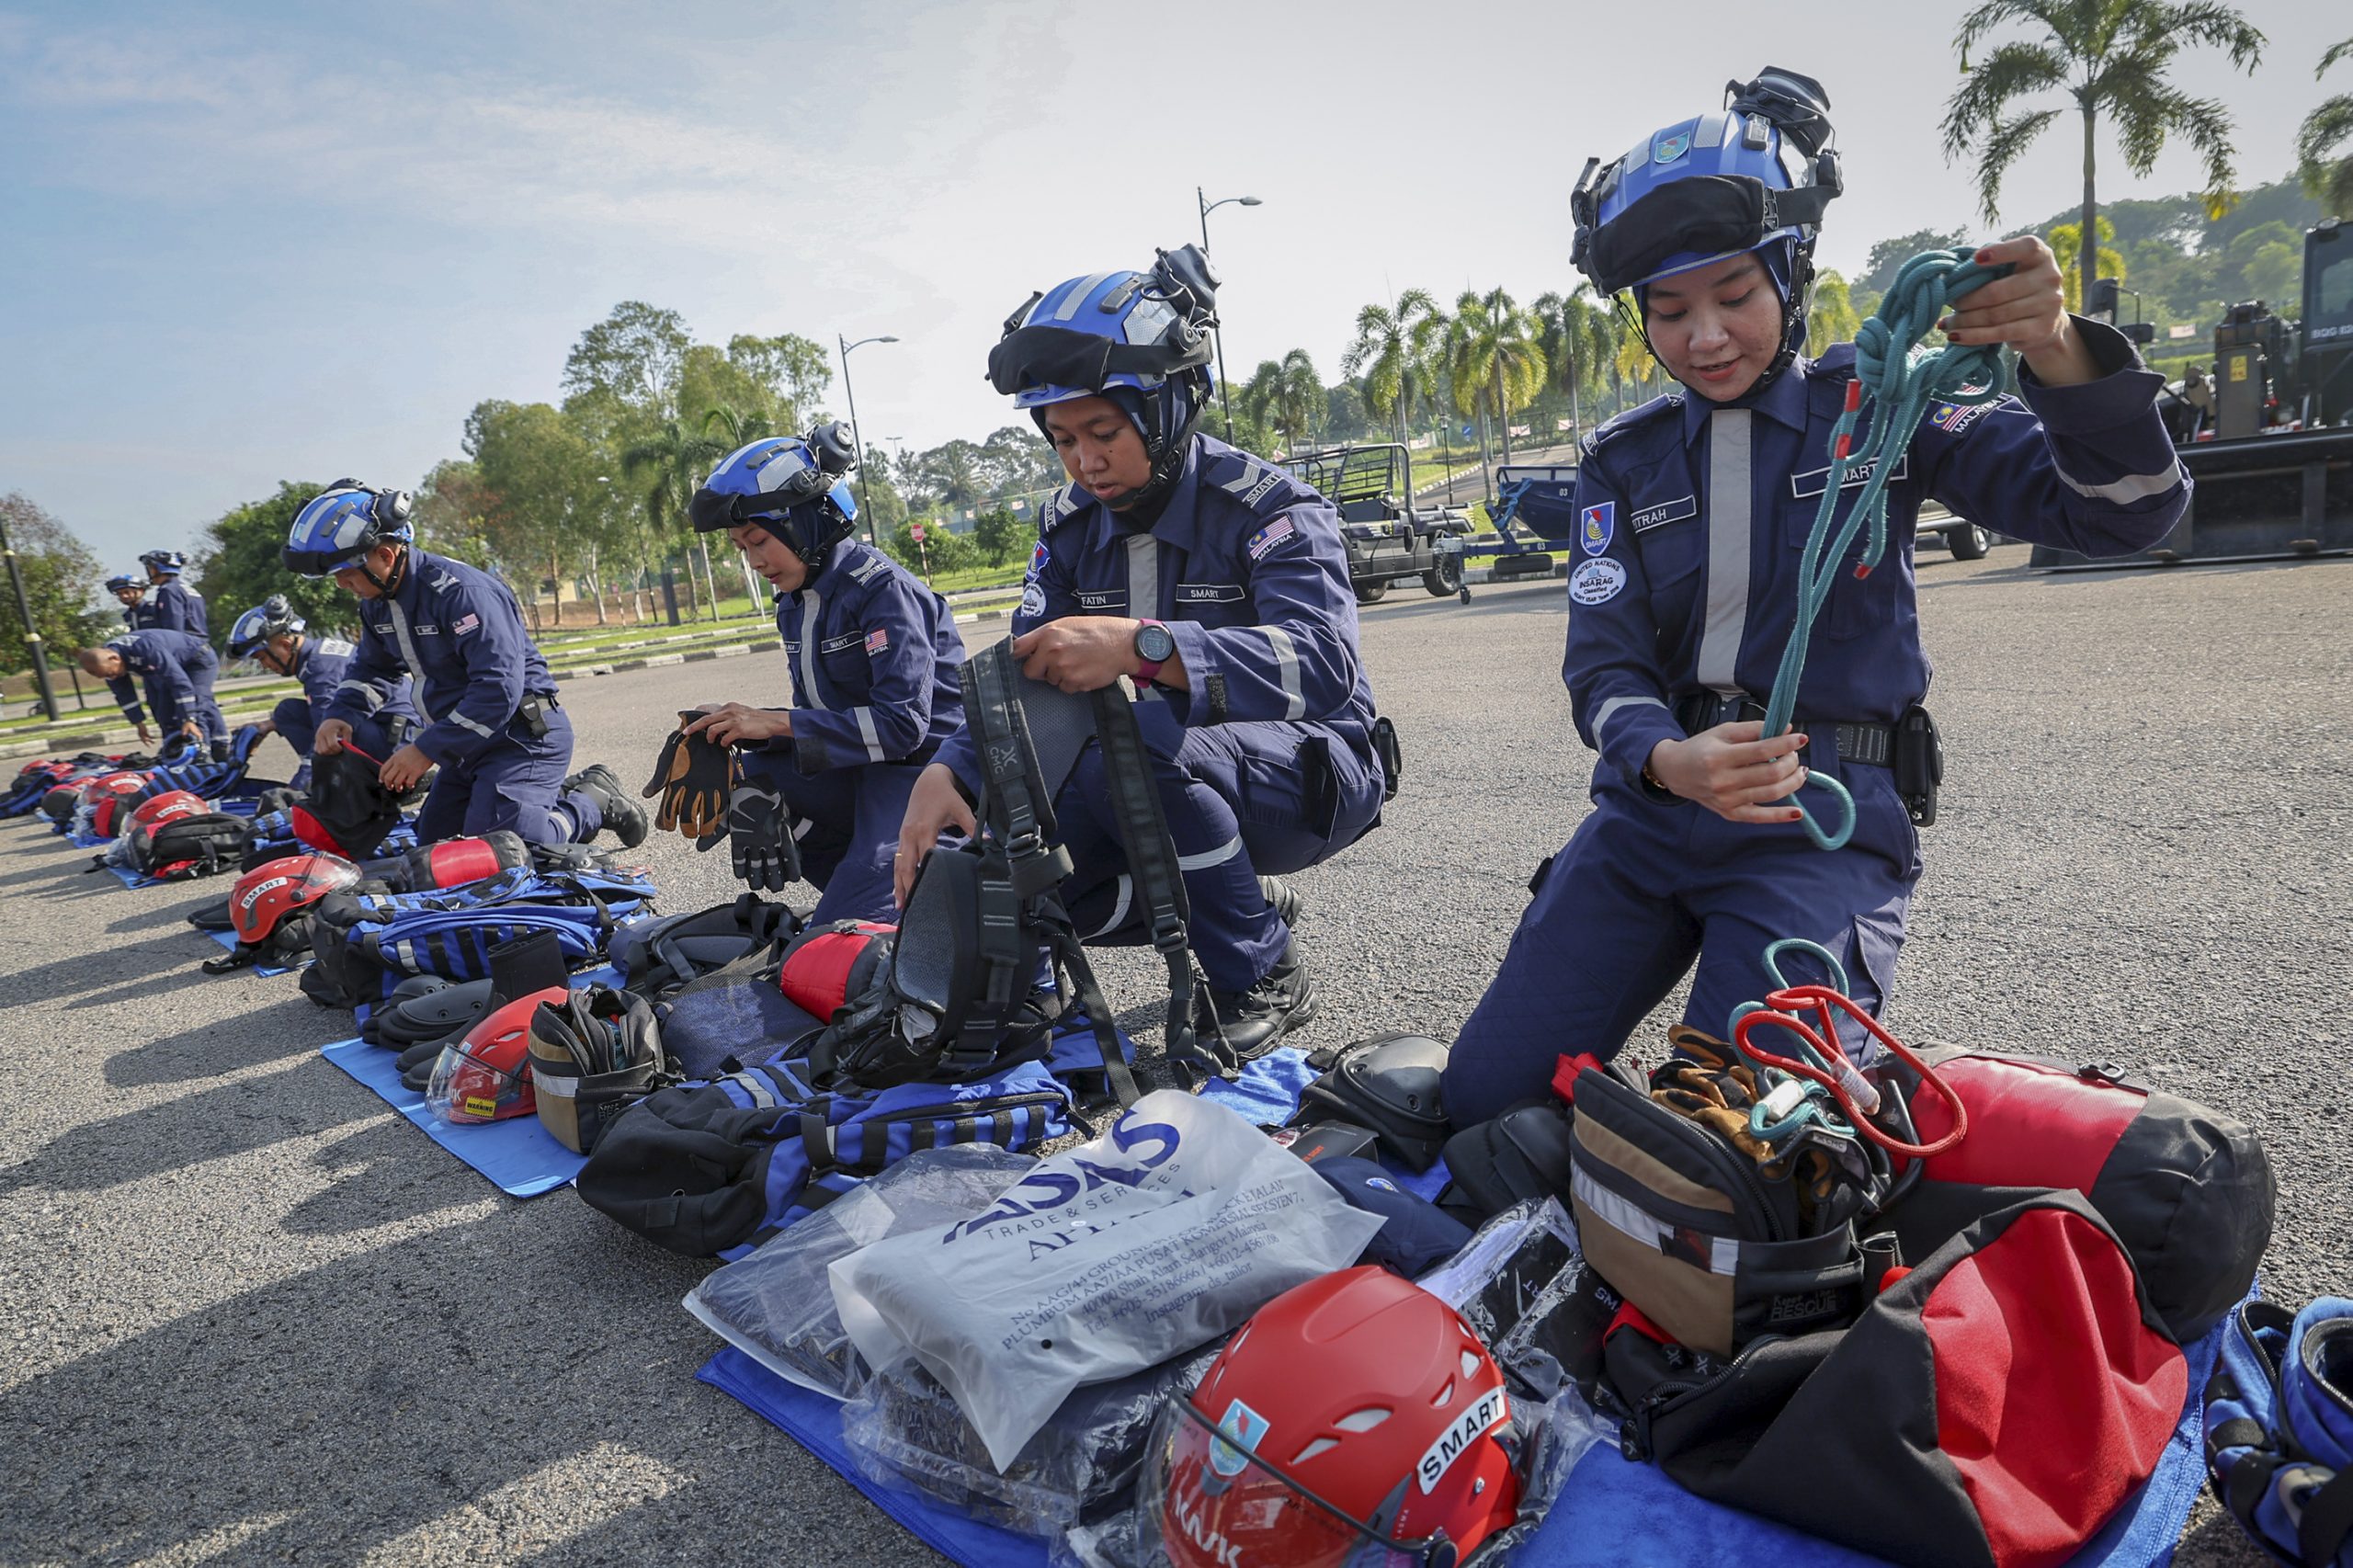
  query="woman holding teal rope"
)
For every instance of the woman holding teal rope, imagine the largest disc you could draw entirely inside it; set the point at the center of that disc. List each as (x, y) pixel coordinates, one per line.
(1695, 513)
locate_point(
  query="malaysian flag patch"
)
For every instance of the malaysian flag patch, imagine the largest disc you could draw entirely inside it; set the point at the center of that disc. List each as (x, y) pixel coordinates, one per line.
(1954, 417)
(1266, 538)
(465, 624)
(878, 641)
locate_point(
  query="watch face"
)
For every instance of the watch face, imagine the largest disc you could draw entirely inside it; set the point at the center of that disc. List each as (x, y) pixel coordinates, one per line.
(1154, 644)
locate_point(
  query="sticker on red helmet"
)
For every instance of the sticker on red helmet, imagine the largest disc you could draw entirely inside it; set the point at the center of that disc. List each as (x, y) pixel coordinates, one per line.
(1239, 1432)
(1455, 1441)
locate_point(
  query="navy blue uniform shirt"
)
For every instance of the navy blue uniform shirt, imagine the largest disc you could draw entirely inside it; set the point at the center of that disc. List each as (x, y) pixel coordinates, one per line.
(162, 661)
(322, 664)
(1244, 566)
(1692, 520)
(460, 632)
(169, 606)
(874, 655)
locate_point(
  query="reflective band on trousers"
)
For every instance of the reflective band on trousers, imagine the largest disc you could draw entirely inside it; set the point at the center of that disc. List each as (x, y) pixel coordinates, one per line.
(1731, 507)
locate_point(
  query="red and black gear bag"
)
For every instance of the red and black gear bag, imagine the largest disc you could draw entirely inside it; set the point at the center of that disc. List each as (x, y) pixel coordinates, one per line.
(2189, 1191)
(827, 967)
(190, 846)
(1990, 1408)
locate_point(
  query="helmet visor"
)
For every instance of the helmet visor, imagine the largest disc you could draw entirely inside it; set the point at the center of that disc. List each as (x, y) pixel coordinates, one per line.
(467, 1086)
(1205, 1499)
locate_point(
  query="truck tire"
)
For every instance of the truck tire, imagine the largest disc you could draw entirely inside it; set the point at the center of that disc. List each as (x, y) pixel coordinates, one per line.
(1369, 593)
(1968, 542)
(1444, 578)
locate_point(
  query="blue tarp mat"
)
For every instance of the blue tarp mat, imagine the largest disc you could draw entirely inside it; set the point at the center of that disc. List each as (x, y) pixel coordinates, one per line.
(228, 939)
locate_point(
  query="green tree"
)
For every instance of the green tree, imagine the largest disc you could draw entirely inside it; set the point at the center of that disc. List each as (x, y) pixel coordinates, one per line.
(883, 507)
(449, 510)
(1573, 331)
(538, 473)
(1016, 461)
(997, 533)
(2324, 142)
(1385, 354)
(61, 578)
(2266, 262)
(1287, 395)
(2067, 246)
(635, 358)
(1494, 358)
(1888, 256)
(242, 562)
(2110, 57)
(669, 465)
(792, 369)
(1830, 316)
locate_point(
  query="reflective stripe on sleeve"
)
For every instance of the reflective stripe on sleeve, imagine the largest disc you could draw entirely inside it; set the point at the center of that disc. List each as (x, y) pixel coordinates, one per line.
(1287, 671)
(467, 721)
(2125, 490)
(868, 734)
(367, 694)
(1609, 709)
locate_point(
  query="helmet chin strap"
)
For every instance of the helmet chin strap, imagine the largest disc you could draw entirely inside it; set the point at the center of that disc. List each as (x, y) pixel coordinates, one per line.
(400, 567)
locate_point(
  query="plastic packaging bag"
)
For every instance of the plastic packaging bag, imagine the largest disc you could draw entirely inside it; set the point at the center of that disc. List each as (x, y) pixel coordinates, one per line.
(1492, 1281)
(1169, 1230)
(774, 1304)
(903, 1429)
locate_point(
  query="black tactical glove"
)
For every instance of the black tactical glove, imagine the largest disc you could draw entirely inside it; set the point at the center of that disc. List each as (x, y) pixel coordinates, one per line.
(758, 841)
(691, 776)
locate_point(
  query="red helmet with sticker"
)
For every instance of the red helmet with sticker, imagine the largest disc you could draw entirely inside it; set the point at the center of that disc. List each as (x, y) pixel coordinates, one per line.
(111, 784)
(1354, 1420)
(170, 806)
(486, 1077)
(277, 890)
(110, 801)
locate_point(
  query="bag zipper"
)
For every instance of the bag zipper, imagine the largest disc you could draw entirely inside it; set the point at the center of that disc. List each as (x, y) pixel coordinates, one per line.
(1634, 1432)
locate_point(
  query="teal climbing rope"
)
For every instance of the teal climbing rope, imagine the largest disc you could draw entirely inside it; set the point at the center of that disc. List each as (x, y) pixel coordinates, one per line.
(1899, 381)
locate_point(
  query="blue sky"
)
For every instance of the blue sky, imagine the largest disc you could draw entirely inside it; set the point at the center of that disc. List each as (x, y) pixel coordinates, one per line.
(250, 242)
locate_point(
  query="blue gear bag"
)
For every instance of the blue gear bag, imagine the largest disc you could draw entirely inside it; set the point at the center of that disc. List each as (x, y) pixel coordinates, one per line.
(2278, 1424)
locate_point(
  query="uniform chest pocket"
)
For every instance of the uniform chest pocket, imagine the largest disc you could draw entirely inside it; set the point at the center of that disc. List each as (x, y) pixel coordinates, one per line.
(1857, 606)
(848, 671)
(1671, 555)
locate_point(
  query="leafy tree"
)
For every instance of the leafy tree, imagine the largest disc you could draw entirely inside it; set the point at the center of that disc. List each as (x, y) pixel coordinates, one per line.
(669, 465)
(241, 562)
(1287, 394)
(61, 577)
(792, 369)
(997, 535)
(2067, 246)
(1831, 318)
(537, 474)
(1016, 460)
(2327, 172)
(635, 358)
(450, 511)
(1888, 256)
(884, 508)
(2110, 57)
(1575, 334)
(1386, 354)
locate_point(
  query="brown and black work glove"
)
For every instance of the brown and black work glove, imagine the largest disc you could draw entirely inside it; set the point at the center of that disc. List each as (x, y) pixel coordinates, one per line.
(692, 775)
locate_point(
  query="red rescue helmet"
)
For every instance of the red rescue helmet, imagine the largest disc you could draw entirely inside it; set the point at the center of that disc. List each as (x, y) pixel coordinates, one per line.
(1354, 1420)
(278, 889)
(486, 1077)
(111, 784)
(110, 808)
(170, 806)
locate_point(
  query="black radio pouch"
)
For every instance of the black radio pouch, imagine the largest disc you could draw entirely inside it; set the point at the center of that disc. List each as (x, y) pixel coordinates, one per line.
(1392, 755)
(1918, 755)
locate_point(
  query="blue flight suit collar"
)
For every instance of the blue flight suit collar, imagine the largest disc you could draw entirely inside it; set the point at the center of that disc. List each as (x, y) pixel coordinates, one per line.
(1178, 525)
(1783, 402)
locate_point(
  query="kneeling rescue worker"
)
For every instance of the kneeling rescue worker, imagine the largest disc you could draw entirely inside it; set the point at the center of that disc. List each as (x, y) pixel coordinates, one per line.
(1694, 511)
(873, 654)
(178, 669)
(492, 721)
(279, 641)
(1219, 583)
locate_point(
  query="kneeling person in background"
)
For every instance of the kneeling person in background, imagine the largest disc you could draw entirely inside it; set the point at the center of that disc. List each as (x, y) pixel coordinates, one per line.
(178, 669)
(277, 640)
(492, 721)
(873, 654)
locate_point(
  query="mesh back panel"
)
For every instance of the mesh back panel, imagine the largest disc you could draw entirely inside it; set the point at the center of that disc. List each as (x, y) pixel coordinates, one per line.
(1061, 723)
(924, 959)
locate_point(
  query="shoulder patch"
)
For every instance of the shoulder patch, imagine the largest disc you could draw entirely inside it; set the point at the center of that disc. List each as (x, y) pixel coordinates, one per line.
(878, 641)
(865, 570)
(1597, 526)
(1596, 581)
(1033, 601)
(336, 648)
(1266, 538)
(1952, 418)
(1059, 507)
(1038, 556)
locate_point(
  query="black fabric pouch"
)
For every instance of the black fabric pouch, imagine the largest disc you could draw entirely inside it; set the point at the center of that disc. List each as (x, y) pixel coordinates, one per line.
(1388, 1083)
(1520, 1155)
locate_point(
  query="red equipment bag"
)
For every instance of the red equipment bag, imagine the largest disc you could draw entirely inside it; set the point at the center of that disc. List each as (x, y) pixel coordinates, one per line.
(2188, 1191)
(1990, 1408)
(827, 965)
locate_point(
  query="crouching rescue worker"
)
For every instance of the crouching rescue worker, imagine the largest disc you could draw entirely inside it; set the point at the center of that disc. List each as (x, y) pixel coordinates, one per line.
(874, 655)
(177, 670)
(279, 641)
(1218, 582)
(173, 607)
(1695, 510)
(482, 691)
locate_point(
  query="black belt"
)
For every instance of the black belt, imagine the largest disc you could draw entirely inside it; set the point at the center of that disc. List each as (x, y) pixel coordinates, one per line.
(1858, 739)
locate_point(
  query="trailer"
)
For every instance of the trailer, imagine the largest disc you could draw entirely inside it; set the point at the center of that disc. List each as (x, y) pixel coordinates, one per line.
(1389, 539)
(2267, 439)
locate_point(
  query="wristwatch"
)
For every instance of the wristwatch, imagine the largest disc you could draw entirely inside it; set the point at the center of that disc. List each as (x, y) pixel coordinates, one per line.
(1155, 647)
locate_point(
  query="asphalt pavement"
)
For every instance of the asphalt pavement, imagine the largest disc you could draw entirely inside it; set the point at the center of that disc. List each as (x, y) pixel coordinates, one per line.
(252, 1316)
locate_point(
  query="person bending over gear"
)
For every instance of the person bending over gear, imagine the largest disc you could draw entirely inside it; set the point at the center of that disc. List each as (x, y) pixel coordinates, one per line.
(177, 670)
(173, 608)
(491, 719)
(131, 593)
(1220, 583)
(873, 654)
(1694, 513)
(277, 640)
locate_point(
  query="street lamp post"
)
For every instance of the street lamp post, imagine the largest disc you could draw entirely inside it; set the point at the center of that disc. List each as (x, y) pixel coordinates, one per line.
(857, 440)
(32, 634)
(1208, 207)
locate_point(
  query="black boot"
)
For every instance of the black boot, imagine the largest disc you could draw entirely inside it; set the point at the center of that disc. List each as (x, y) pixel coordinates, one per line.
(1283, 897)
(623, 816)
(1254, 1019)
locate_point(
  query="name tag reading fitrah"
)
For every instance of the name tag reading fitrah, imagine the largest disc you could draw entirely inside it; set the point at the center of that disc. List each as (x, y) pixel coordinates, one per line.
(1674, 511)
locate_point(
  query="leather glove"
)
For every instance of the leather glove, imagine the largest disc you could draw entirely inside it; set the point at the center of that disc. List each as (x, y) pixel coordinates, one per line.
(691, 775)
(759, 842)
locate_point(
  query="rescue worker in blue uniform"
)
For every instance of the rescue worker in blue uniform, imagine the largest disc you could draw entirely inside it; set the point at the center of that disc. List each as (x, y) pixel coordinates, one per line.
(874, 655)
(131, 593)
(277, 640)
(178, 669)
(1220, 583)
(491, 720)
(173, 608)
(1694, 512)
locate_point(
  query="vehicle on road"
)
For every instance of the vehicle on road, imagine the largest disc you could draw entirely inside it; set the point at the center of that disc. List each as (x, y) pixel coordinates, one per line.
(1390, 539)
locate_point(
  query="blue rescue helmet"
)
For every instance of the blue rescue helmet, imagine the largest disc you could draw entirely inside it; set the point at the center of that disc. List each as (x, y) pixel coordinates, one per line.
(340, 525)
(1755, 175)
(163, 563)
(124, 580)
(271, 617)
(1140, 338)
(792, 487)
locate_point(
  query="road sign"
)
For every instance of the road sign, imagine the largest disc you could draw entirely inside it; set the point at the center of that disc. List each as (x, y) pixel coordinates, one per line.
(914, 531)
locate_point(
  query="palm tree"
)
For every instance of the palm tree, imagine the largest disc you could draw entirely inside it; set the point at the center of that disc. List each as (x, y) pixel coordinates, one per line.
(1494, 355)
(2324, 131)
(2067, 244)
(1574, 333)
(1383, 352)
(2109, 56)
(740, 430)
(1287, 393)
(674, 462)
